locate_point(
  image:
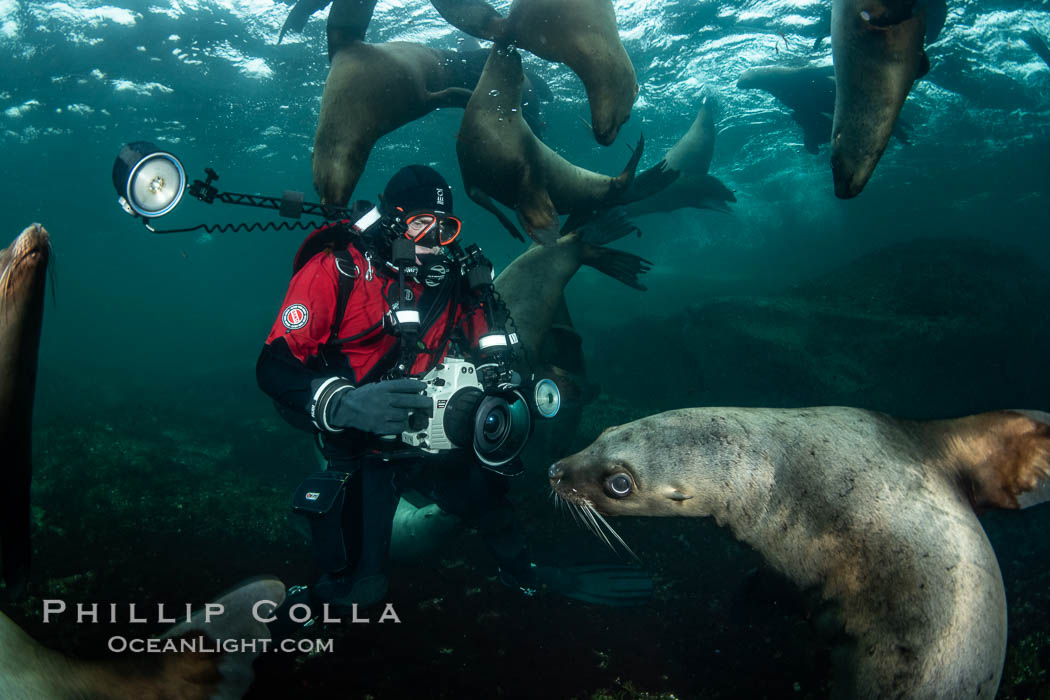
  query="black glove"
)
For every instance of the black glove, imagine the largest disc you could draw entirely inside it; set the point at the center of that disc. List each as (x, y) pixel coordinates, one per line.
(382, 407)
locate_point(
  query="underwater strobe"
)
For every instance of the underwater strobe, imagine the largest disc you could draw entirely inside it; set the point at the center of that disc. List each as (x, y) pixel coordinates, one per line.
(150, 183)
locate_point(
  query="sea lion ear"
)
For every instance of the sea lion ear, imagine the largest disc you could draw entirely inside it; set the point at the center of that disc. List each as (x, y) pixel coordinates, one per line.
(1005, 455)
(677, 495)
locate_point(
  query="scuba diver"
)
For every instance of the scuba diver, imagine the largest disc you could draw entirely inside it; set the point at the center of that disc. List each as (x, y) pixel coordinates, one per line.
(376, 302)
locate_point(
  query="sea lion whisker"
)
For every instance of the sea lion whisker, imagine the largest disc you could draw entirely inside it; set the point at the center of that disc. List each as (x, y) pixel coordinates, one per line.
(574, 509)
(591, 513)
(615, 534)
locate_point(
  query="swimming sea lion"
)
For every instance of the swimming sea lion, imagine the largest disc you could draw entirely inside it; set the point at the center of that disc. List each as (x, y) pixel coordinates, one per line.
(877, 47)
(878, 512)
(533, 288)
(500, 158)
(23, 273)
(30, 671)
(372, 89)
(809, 92)
(691, 158)
(581, 34)
(465, 67)
(936, 15)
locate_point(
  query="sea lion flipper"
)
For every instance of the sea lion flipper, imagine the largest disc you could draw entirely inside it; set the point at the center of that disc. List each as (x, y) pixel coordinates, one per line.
(620, 265)
(483, 200)
(1036, 43)
(475, 17)
(537, 214)
(650, 182)
(348, 21)
(1004, 456)
(608, 226)
(449, 97)
(297, 18)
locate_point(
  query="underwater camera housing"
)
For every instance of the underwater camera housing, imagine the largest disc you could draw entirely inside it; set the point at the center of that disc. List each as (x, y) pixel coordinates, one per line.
(497, 424)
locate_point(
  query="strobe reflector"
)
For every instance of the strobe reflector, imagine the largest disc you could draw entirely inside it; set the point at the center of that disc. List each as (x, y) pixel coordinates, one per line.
(149, 181)
(547, 398)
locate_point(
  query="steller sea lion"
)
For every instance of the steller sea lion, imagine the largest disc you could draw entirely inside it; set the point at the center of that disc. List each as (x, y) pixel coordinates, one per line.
(465, 68)
(23, 276)
(691, 158)
(371, 90)
(30, 671)
(533, 288)
(501, 159)
(579, 33)
(809, 92)
(877, 512)
(877, 48)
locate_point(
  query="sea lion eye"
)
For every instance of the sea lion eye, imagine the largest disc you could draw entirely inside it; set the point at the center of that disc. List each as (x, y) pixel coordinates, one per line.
(618, 485)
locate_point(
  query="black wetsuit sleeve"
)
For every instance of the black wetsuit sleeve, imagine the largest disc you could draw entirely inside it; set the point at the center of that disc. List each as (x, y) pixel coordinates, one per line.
(284, 378)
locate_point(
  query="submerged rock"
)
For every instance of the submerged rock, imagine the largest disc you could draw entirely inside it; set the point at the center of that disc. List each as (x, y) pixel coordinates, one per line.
(924, 328)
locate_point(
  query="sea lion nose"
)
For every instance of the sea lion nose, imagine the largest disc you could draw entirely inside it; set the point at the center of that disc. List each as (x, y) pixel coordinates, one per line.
(555, 471)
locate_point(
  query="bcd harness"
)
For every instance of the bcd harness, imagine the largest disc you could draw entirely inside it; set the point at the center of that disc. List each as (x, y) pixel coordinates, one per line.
(399, 359)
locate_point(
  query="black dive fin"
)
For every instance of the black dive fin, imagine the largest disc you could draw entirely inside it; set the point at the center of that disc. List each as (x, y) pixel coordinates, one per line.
(612, 585)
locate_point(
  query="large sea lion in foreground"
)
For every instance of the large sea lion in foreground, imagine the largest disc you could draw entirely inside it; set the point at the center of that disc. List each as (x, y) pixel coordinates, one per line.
(372, 89)
(877, 48)
(581, 34)
(29, 671)
(877, 512)
(501, 159)
(690, 157)
(23, 274)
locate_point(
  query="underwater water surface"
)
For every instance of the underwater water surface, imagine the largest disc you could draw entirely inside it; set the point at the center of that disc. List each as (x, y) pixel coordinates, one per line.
(162, 472)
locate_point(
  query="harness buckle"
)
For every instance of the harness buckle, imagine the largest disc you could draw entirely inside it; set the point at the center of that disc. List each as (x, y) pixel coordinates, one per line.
(352, 275)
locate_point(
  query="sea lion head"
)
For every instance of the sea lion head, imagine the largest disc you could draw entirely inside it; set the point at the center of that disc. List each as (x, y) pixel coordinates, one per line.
(640, 468)
(22, 268)
(611, 97)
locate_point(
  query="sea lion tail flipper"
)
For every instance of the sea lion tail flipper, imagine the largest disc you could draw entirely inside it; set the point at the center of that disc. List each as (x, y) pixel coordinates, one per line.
(620, 265)
(1004, 456)
(484, 201)
(648, 183)
(297, 18)
(712, 193)
(348, 21)
(449, 97)
(622, 182)
(1036, 43)
(475, 17)
(607, 226)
